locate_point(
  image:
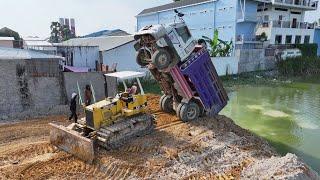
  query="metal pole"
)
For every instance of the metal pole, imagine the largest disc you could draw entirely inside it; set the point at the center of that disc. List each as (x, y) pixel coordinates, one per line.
(93, 93)
(80, 98)
(141, 89)
(125, 86)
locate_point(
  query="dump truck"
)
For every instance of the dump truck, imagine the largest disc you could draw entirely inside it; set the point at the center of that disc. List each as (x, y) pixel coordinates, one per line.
(189, 81)
(107, 123)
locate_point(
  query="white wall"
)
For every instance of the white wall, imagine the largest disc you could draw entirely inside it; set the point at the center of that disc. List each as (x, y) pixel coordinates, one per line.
(124, 55)
(291, 32)
(226, 65)
(201, 19)
(85, 56)
(6, 43)
(286, 15)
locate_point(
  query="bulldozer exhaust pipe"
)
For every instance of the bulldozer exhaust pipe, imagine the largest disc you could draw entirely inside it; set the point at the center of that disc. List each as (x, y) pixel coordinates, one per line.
(71, 141)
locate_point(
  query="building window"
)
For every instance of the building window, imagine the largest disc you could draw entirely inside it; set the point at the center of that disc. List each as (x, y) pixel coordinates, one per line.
(281, 9)
(278, 39)
(293, 12)
(265, 9)
(297, 40)
(184, 33)
(307, 39)
(288, 39)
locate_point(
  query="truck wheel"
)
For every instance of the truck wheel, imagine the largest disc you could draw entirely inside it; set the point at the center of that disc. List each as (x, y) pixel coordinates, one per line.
(161, 59)
(160, 101)
(189, 112)
(142, 57)
(167, 104)
(178, 109)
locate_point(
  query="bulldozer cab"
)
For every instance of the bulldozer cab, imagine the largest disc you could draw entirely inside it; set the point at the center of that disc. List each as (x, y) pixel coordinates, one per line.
(132, 101)
(128, 75)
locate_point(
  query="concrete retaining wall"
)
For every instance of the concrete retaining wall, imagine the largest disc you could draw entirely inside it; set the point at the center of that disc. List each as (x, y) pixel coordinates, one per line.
(226, 65)
(94, 78)
(254, 60)
(23, 88)
(31, 88)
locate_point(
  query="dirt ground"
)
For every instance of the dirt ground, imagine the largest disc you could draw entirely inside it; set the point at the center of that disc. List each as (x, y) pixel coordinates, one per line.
(209, 148)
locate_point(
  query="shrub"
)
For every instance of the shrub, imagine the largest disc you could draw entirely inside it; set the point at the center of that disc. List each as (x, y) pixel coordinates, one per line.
(299, 66)
(308, 50)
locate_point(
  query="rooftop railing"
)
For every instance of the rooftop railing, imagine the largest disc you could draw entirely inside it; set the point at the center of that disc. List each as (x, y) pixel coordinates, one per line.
(287, 24)
(302, 3)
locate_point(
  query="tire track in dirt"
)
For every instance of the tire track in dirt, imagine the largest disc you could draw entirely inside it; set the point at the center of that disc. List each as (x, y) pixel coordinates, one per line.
(61, 164)
(140, 149)
(27, 152)
(231, 174)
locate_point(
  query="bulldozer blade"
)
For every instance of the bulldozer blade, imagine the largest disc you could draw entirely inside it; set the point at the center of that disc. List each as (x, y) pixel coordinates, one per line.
(72, 142)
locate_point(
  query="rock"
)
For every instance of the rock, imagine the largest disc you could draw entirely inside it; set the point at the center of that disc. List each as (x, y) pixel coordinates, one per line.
(287, 167)
(195, 132)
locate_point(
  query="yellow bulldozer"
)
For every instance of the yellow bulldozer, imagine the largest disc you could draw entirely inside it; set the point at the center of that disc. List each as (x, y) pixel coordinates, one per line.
(107, 123)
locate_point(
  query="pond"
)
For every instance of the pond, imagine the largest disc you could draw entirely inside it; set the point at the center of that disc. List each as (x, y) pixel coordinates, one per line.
(287, 116)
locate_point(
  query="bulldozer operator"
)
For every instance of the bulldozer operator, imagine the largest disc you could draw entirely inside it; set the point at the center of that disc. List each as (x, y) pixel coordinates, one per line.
(128, 95)
(134, 89)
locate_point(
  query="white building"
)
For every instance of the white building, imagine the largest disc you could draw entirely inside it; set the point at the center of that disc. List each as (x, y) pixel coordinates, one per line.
(39, 44)
(85, 57)
(6, 42)
(283, 21)
(113, 50)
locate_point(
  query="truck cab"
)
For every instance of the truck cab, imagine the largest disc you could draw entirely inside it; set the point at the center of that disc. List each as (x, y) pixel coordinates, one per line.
(164, 46)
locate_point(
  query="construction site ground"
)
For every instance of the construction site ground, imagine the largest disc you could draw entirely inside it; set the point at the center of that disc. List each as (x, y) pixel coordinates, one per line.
(209, 148)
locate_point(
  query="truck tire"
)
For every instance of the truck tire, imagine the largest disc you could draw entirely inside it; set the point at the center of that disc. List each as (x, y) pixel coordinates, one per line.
(178, 109)
(160, 101)
(167, 104)
(161, 59)
(189, 112)
(141, 57)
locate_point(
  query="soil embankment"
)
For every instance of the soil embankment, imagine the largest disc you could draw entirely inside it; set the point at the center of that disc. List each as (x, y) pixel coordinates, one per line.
(210, 148)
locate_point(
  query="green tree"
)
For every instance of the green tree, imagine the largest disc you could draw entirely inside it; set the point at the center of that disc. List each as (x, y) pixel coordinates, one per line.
(66, 33)
(60, 33)
(218, 47)
(6, 32)
(55, 32)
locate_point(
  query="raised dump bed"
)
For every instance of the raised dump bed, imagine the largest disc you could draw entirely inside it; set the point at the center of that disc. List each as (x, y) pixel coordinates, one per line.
(200, 70)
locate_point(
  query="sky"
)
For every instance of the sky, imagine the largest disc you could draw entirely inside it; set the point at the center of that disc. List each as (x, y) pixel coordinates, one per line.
(33, 17)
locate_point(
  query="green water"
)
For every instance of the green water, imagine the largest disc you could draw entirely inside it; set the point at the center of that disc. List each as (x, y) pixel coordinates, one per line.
(287, 116)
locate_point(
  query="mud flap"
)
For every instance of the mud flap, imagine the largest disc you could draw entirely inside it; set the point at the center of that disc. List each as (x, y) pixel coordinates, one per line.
(72, 142)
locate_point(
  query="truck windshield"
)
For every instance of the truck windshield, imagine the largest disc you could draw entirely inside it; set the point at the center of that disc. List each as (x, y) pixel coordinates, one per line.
(184, 33)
